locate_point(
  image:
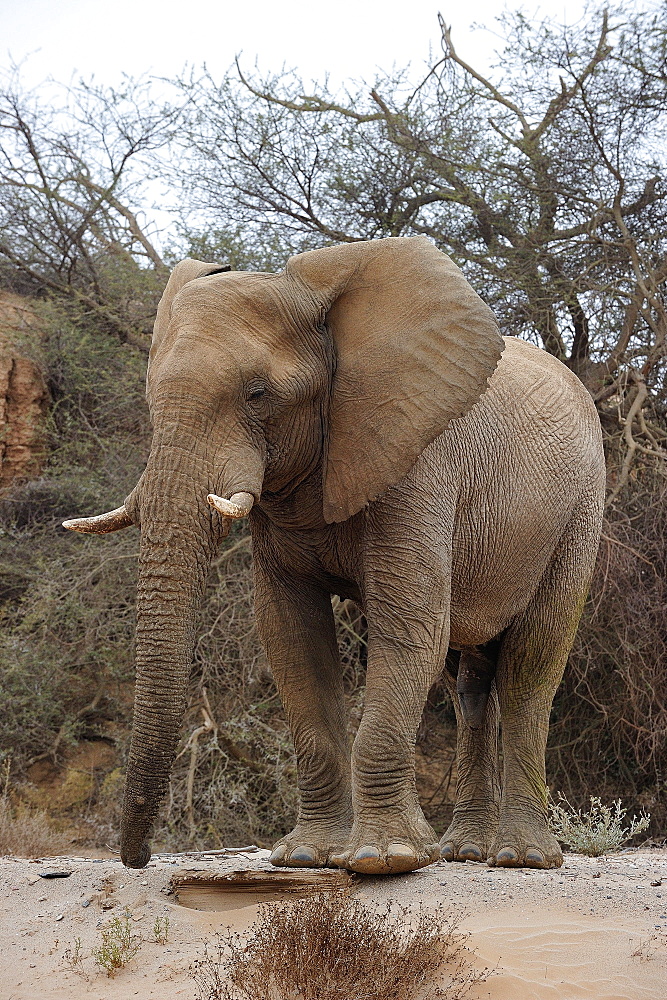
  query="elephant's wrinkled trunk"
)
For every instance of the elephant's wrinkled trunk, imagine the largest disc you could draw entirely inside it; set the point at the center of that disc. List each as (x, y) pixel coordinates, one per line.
(179, 535)
(172, 573)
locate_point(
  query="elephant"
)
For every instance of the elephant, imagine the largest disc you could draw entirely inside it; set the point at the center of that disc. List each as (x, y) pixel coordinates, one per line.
(390, 447)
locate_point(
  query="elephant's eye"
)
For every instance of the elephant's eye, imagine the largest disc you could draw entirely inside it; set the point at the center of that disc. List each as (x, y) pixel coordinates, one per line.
(256, 392)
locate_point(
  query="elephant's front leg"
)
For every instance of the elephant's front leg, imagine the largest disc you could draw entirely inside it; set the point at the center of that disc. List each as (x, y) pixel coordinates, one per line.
(298, 632)
(406, 650)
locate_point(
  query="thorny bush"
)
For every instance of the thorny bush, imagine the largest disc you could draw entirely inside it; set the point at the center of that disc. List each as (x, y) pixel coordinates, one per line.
(609, 720)
(330, 946)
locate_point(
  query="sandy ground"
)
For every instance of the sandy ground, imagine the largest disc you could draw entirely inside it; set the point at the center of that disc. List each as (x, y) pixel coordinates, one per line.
(597, 928)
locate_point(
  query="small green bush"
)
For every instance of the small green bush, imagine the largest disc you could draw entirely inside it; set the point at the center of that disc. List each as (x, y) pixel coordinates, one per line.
(596, 832)
(161, 929)
(119, 945)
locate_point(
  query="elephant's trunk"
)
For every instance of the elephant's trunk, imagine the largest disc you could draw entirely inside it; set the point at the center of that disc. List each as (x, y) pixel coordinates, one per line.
(172, 571)
(179, 535)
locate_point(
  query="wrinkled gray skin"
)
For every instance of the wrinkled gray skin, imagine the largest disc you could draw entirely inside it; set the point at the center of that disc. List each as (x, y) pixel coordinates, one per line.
(395, 459)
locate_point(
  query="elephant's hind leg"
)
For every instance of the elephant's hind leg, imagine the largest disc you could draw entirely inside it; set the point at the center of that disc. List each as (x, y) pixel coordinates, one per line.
(533, 655)
(475, 821)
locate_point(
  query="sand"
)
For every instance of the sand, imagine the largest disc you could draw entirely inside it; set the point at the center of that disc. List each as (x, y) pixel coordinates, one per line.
(596, 928)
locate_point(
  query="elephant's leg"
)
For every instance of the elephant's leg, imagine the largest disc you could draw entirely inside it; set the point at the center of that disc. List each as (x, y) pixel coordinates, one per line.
(532, 658)
(298, 633)
(475, 821)
(406, 649)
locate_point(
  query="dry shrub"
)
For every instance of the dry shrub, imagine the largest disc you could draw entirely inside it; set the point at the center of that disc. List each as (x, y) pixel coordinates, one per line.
(29, 834)
(66, 647)
(596, 832)
(67, 601)
(333, 947)
(609, 724)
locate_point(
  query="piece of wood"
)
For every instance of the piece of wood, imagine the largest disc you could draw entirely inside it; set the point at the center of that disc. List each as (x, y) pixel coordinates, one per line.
(302, 881)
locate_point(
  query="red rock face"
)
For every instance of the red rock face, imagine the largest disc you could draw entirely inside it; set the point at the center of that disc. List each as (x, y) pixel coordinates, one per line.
(23, 394)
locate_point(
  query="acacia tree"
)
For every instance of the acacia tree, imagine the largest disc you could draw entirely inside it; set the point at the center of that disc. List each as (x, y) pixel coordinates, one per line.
(545, 182)
(71, 170)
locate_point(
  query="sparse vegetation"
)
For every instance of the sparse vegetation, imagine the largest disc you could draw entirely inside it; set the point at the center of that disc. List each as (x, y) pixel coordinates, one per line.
(29, 833)
(649, 947)
(73, 958)
(119, 944)
(596, 832)
(161, 929)
(24, 832)
(326, 947)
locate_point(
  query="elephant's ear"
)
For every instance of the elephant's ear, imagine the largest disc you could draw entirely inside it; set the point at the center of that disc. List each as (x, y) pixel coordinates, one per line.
(415, 348)
(186, 270)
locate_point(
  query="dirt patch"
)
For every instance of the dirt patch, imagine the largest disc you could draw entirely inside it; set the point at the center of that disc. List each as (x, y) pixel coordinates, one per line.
(596, 928)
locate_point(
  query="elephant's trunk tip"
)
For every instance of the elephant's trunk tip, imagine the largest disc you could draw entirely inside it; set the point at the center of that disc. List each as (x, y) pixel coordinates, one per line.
(138, 860)
(238, 505)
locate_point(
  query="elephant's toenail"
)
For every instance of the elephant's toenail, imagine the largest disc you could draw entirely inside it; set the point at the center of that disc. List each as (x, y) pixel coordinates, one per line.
(304, 855)
(400, 851)
(534, 857)
(278, 854)
(367, 854)
(433, 851)
(508, 856)
(470, 852)
(447, 852)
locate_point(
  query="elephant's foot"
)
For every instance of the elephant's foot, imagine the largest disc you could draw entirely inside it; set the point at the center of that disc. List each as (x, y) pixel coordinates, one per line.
(470, 835)
(524, 843)
(310, 845)
(392, 846)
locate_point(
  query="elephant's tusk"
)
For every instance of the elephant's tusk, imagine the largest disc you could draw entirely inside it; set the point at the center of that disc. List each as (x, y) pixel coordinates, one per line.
(113, 520)
(238, 505)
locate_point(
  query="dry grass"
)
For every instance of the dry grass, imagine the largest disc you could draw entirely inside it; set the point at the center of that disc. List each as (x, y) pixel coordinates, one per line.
(650, 947)
(333, 947)
(28, 834)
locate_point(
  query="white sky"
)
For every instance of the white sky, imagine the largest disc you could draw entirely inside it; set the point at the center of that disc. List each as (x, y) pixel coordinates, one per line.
(347, 38)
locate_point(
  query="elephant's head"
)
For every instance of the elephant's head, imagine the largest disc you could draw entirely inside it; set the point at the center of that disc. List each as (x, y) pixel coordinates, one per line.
(345, 365)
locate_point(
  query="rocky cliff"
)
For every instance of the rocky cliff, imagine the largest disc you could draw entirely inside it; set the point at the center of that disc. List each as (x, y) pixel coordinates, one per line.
(23, 393)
